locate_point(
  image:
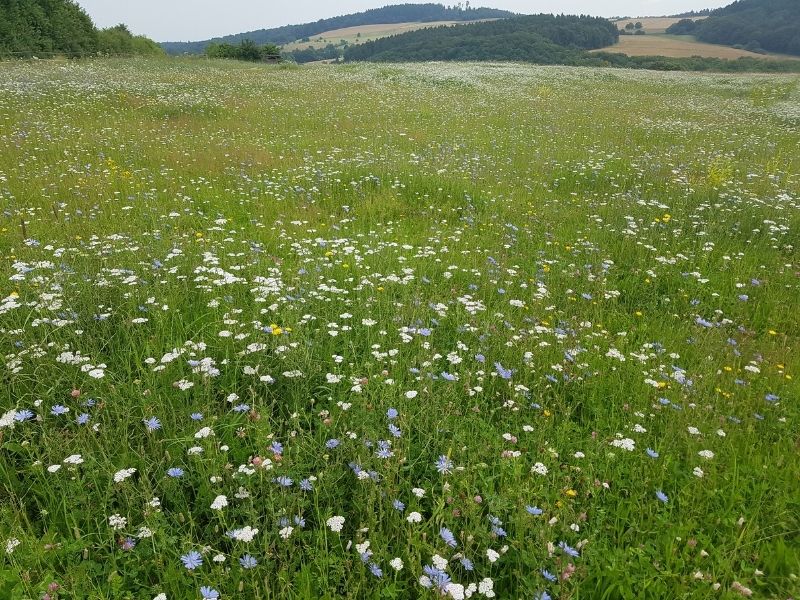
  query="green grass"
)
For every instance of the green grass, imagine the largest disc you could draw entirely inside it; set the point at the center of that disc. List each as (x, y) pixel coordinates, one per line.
(330, 239)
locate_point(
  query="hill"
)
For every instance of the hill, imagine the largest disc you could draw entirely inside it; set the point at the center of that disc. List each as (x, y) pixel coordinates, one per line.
(60, 27)
(546, 39)
(401, 13)
(755, 25)
(363, 33)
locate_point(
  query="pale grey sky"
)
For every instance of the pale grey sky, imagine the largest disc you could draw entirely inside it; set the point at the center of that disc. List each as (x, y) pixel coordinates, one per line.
(191, 20)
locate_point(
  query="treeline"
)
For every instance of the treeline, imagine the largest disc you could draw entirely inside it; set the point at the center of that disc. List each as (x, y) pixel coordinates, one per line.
(694, 63)
(307, 55)
(247, 50)
(119, 41)
(755, 25)
(401, 13)
(61, 27)
(544, 39)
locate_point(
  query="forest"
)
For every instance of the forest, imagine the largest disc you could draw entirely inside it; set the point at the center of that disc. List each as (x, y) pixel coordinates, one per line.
(755, 25)
(400, 13)
(46, 28)
(545, 39)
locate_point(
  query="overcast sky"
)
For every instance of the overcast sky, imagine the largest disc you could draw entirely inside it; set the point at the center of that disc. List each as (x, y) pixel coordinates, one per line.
(191, 20)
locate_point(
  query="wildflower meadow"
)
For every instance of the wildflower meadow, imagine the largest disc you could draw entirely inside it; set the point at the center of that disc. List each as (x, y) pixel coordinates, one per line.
(397, 331)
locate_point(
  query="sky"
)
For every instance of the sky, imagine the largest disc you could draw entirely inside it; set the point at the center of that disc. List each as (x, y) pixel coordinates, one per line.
(192, 20)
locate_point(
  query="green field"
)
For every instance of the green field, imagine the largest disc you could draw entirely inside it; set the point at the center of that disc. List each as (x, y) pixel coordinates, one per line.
(531, 332)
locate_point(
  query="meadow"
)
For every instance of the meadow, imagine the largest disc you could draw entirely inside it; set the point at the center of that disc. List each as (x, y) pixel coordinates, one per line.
(397, 331)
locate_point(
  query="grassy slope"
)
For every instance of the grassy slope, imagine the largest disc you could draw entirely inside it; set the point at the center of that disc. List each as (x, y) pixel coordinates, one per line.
(618, 207)
(356, 35)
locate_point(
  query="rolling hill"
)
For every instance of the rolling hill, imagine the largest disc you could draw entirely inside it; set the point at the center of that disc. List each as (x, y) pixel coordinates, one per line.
(757, 25)
(401, 13)
(546, 39)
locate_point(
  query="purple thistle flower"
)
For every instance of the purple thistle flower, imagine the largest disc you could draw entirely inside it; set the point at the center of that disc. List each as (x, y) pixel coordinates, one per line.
(152, 423)
(192, 560)
(248, 562)
(444, 465)
(568, 549)
(448, 537)
(504, 373)
(23, 415)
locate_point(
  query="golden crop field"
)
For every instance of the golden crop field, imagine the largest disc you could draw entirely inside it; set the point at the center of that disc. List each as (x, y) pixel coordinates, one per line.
(678, 46)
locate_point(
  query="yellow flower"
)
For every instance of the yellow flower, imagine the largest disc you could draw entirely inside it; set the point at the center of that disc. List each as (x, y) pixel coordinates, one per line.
(547, 413)
(571, 493)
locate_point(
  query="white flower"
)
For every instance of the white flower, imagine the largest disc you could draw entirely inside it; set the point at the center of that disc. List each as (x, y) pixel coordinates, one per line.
(144, 532)
(539, 469)
(396, 564)
(161, 596)
(706, 454)
(245, 534)
(624, 443)
(439, 562)
(219, 558)
(53, 468)
(11, 545)
(117, 522)
(7, 420)
(693, 430)
(335, 523)
(698, 472)
(411, 394)
(286, 532)
(492, 555)
(418, 492)
(219, 502)
(73, 459)
(123, 474)
(486, 587)
(204, 433)
(414, 517)
(456, 591)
